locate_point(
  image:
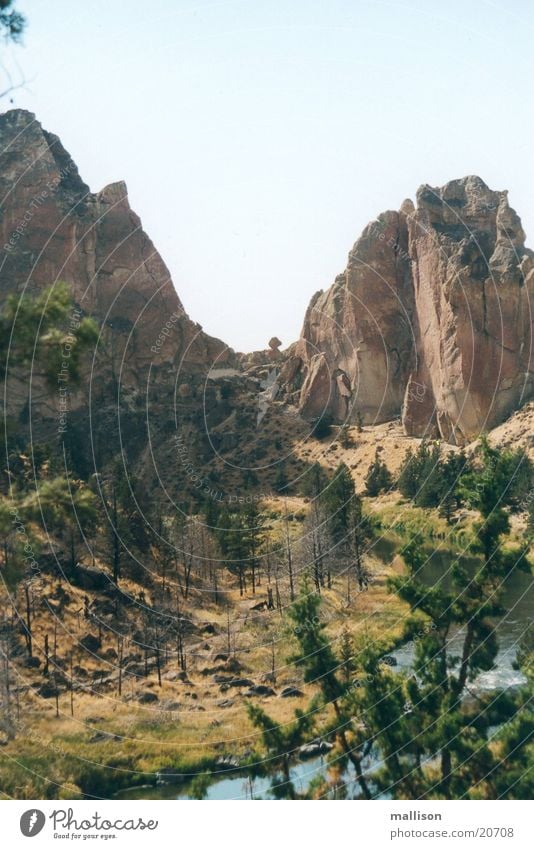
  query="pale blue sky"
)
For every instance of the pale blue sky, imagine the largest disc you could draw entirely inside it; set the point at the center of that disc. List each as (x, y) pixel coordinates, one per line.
(258, 137)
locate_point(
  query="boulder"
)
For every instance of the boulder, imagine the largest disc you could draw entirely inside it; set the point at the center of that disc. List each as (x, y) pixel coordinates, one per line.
(48, 690)
(90, 643)
(314, 749)
(260, 690)
(147, 698)
(240, 682)
(290, 693)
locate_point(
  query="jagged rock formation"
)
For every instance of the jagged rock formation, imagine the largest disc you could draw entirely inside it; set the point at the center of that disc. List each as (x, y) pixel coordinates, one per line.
(52, 228)
(431, 320)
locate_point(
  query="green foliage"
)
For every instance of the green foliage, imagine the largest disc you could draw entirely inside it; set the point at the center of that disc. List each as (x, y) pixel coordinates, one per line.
(340, 517)
(408, 479)
(63, 507)
(19, 546)
(240, 535)
(430, 480)
(43, 332)
(530, 513)
(337, 499)
(199, 786)
(432, 742)
(436, 723)
(499, 478)
(281, 742)
(59, 502)
(344, 436)
(322, 427)
(315, 481)
(315, 655)
(12, 22)
(378, 478)
(281, 481)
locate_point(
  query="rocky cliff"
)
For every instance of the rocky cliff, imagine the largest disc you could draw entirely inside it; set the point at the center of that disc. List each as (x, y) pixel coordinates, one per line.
(53, 228)
(149, 367)
(431, 320)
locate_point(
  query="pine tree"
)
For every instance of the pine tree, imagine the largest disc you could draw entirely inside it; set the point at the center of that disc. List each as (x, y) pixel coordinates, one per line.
(281, 481)
(516, 738)
(530, 513)
(337, 498)
(430, 483)
(434, 722)
(322, 427)
(239, 535)
(315, 481)
(453, 468)
(321, 666)
(408, 480)
(344, 436)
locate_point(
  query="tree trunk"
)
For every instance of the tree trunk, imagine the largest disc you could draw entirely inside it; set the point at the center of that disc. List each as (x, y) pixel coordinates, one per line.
(29, 641)
(353, 756)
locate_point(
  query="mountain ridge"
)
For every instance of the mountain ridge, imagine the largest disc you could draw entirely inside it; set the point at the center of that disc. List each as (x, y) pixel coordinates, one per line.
(430, 321)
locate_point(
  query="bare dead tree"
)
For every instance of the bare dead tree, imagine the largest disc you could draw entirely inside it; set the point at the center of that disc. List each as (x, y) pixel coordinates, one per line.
(7, 723)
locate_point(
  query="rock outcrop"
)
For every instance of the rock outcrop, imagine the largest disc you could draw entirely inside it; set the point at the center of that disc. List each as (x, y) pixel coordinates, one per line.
(145, 381)
(431, 321)
(53, 228)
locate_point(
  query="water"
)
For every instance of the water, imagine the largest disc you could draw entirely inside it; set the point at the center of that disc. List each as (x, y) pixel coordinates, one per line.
(517, 600)
(239, 787)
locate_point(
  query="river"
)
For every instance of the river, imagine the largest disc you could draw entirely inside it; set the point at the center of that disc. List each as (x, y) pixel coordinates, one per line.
(517, 599)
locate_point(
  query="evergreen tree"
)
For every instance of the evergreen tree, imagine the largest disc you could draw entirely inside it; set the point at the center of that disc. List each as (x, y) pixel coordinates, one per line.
(452, 469)
(430, 472)
(337, 498)
(240, 534)
(63, 506)
(378, 478)
(515, 740)
(520, 472)
(344, 436)
(435, 722)
(322, 427)
(530, 513)
(408, 480)
(320, 665)
(280, 481)
(35, 330)
(359, 533)
(315, 481)
(432, 743)
(281, 741)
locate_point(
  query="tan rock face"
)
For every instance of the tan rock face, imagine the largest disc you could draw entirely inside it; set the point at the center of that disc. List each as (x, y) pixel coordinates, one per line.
(357, 338)
(431, 320)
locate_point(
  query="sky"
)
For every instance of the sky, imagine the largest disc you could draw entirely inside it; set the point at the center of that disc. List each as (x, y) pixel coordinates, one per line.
(258, 137)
